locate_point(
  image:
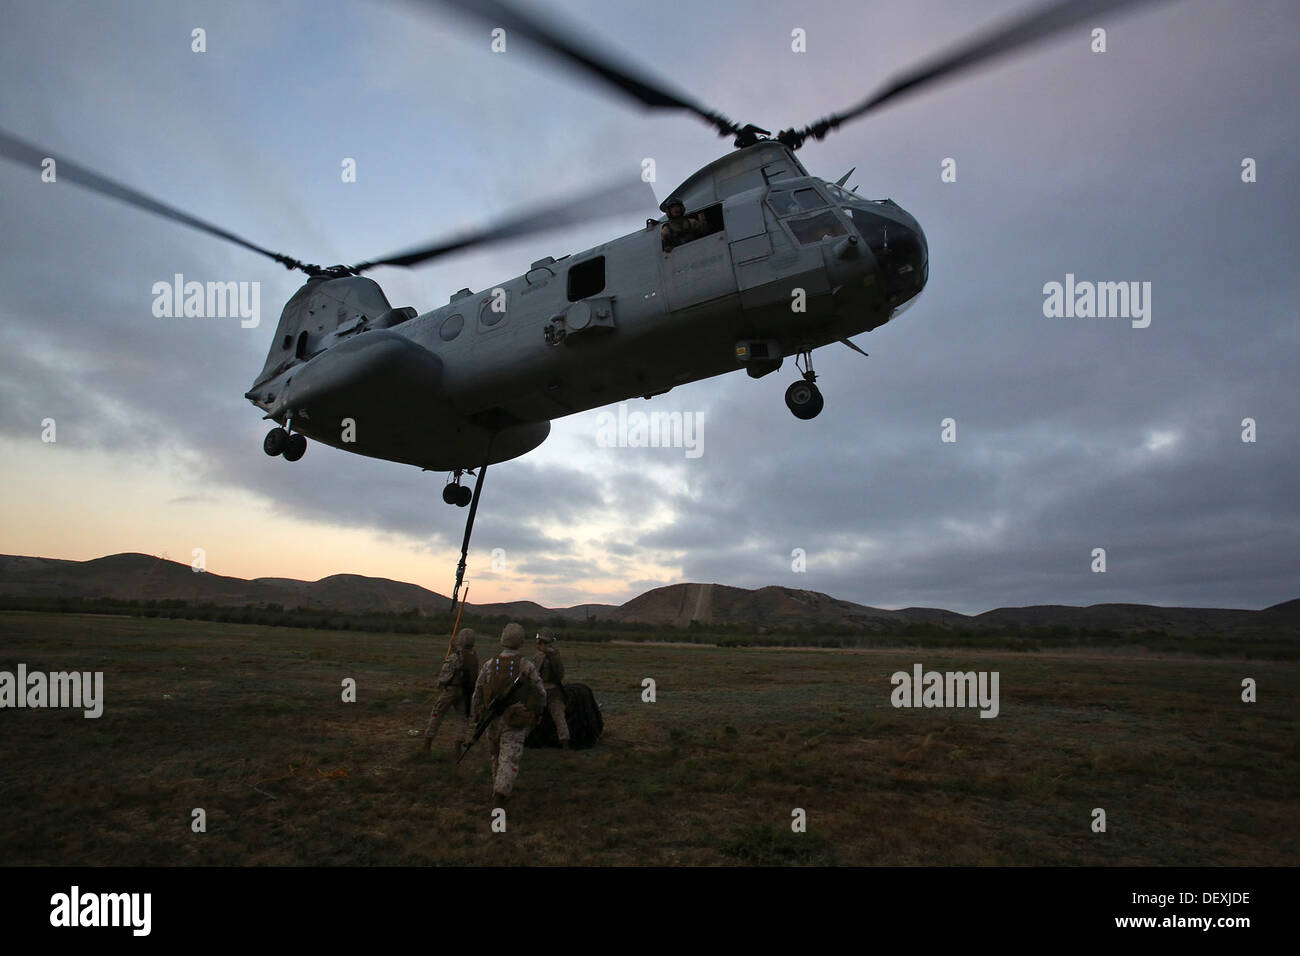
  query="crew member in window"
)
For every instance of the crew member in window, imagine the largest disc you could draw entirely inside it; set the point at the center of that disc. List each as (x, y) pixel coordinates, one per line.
(680, 228)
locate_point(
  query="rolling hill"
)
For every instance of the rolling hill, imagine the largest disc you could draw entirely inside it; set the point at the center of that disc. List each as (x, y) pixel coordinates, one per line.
(142, 577)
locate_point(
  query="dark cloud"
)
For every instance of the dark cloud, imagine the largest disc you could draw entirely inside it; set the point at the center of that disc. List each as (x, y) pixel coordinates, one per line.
(1072, 433)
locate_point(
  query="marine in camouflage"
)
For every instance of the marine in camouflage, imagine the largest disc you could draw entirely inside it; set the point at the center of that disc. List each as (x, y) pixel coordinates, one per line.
(506, 734)
(454, 690)
(679, 227)
(551, 667)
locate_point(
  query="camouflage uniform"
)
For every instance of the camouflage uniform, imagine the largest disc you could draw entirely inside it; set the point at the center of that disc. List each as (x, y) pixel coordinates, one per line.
(548, 664)
(454, 689)
(679, 229)
(506, 734)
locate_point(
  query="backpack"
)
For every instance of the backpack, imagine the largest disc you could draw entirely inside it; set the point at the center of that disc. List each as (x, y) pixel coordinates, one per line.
(552, 668)
(504, 670)
(467, 673)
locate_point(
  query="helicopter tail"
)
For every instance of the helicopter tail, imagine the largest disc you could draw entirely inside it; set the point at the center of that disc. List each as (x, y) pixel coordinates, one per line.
(324, 312)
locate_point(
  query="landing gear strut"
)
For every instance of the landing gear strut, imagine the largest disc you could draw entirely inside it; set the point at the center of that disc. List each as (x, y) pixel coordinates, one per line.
(804, 398)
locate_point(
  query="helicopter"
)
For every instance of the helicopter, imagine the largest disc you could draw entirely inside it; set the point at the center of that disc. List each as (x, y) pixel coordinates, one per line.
(776, 263)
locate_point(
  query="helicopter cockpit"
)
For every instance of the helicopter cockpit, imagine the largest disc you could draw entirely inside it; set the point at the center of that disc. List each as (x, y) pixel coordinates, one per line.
(893, 236)
(806, 213)
(873, 218)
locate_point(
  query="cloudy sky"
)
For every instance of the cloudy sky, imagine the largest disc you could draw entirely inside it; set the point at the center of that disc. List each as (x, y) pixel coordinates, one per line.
(1072, 433)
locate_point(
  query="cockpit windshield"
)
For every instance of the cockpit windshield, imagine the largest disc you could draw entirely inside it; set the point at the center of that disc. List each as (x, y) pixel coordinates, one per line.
(789, 201)
(815, 228)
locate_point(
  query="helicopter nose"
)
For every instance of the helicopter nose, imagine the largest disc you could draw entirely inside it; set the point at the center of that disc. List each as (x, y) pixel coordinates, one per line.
(903, 255)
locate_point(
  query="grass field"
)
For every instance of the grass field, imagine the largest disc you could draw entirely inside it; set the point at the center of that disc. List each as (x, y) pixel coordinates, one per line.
(247, 723)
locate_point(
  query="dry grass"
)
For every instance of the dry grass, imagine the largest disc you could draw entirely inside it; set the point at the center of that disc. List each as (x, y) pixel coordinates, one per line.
(247, 723)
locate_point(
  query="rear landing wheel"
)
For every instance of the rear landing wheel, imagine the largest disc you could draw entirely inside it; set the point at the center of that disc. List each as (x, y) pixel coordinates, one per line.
(804, 399)
(458, 495)
(295, 447)
(274, 442)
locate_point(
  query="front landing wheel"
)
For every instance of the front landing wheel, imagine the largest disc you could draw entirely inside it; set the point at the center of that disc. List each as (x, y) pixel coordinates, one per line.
(804, 399)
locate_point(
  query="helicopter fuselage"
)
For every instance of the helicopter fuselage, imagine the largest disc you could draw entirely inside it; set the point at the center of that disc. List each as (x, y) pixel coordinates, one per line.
(787, 265)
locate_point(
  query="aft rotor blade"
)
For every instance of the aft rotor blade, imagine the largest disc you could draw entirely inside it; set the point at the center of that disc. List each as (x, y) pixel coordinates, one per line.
(22, 152)
(620, 198)
(566, 45)
(1021, 32)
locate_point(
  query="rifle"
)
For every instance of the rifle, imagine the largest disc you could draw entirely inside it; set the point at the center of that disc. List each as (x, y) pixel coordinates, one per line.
(494, 710)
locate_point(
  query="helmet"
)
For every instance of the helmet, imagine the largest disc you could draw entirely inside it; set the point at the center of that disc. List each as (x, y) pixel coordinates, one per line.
(674, 201)
(512, 635)
(465, 638)
(546, 636)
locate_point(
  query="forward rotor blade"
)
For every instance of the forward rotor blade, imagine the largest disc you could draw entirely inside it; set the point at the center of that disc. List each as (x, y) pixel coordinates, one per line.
(1020, 32)
(619, 198)
(27, 154)
(652, 94)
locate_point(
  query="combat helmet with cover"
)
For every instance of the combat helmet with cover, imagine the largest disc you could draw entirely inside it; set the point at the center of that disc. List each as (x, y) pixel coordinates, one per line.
(512, 636)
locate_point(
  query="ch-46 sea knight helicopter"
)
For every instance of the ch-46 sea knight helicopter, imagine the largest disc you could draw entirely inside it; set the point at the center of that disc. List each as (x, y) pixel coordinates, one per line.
(478, 380)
